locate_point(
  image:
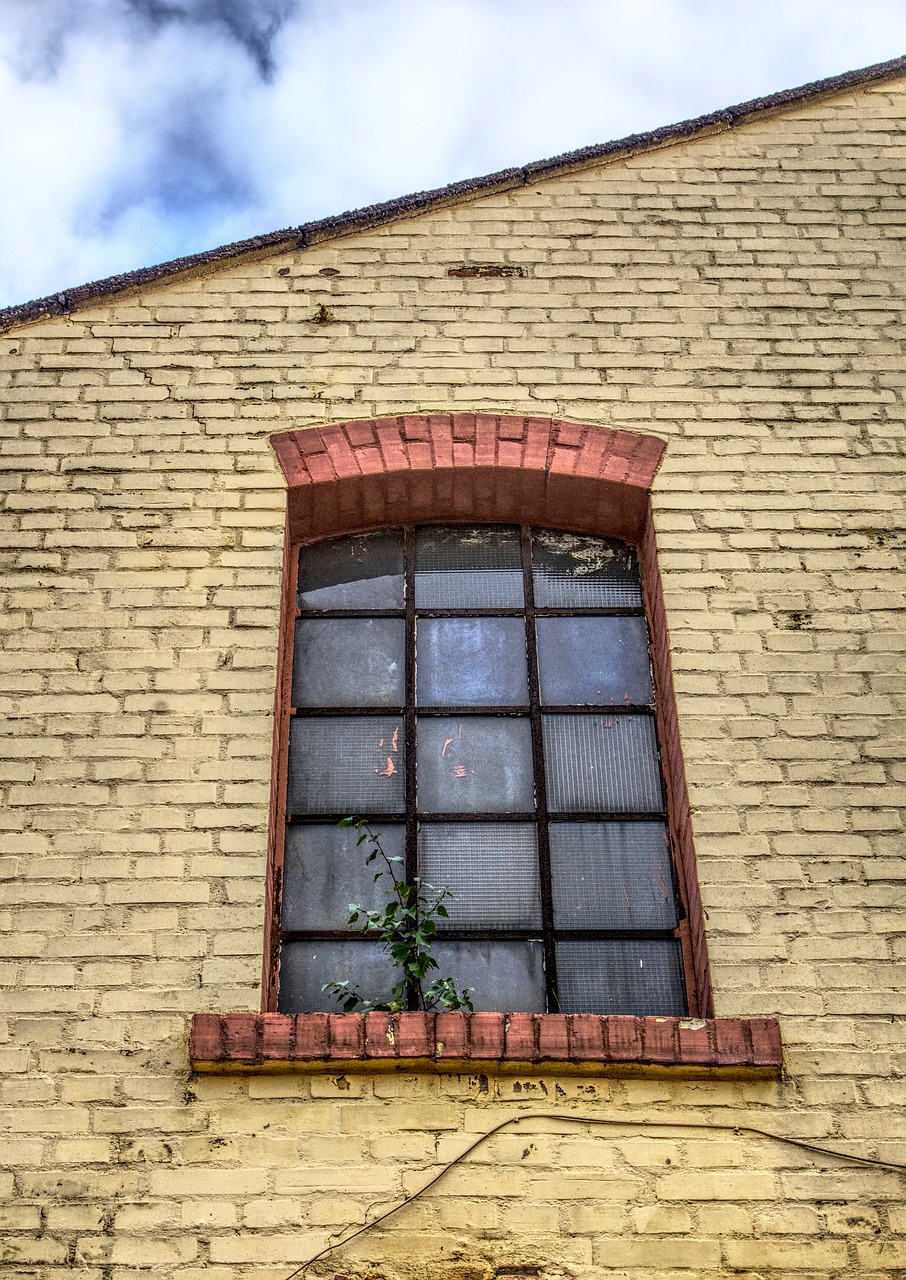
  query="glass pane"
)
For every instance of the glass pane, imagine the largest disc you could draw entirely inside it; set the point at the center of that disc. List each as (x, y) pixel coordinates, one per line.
(629, 975)
(612, 875)
(349, 662)
(471, 662)
(324, 870)
(468, 568)
(306, 966)
(574, 570)
(365, 572)
(505, 977)
(348, 765)
(475, 764)
(605, 763)
(490, 867)
(594, 661)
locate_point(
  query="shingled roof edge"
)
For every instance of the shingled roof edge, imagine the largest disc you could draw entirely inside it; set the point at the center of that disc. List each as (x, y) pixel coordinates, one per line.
(309, 233)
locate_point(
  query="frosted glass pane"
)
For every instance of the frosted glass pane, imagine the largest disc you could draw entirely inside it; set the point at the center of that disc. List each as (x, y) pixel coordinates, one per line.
(306, 966)
(471, 662)
(323, 871)
(348, 765)
(634, 976)
(468, 568)
(507, 977)
(474, 764)
(349, 662)
(574, 570)
(594, 661)
(365, 572)
(491, 869)
(612, 875)
(602, 762)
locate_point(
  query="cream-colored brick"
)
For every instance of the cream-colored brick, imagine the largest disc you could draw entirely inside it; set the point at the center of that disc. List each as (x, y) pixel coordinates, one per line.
(737, 294)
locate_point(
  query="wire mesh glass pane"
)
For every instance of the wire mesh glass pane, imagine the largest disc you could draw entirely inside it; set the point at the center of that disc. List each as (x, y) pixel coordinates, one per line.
(605, 763)
(348, 765)
(612, 875)
(471, 662)
(349, 662)
(505, 977)
(474, 764)
(306, 966)
(468, 568)
(627, 975)
(594, 661)
(365, 572)
(573, 570)
(324, 871)
(491, 868)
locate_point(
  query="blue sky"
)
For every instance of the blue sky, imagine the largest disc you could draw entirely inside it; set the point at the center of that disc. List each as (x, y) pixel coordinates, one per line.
(139, 130)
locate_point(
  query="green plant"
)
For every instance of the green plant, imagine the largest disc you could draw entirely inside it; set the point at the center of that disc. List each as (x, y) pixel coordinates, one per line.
(407, 927)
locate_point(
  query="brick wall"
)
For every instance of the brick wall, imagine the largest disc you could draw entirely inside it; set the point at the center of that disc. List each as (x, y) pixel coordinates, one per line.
(740, 295)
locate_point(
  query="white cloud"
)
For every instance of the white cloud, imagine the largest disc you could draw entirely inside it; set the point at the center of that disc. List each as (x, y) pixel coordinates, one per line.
(138, 130)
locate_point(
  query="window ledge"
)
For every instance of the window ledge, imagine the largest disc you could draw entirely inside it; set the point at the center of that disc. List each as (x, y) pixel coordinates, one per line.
(446, 1041)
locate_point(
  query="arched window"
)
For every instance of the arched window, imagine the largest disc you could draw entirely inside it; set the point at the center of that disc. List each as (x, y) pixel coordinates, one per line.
(475, 659)
(483, 696)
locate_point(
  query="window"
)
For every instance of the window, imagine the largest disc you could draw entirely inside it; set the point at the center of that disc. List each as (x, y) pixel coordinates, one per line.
(483, 695)
(435, 479)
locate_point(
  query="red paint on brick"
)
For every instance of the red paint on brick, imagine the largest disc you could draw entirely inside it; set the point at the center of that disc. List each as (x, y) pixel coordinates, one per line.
(204, 1041)
(486, 1031)
(519, 1042)
(451, 1035)
(553, 1037)
(586, 1037)
(311, 1037)
(245, 1039)
(658, 1040)
(415, 1034)
(380, 1036)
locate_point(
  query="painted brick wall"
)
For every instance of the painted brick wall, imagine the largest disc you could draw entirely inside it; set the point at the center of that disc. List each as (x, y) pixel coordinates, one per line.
(740, 295)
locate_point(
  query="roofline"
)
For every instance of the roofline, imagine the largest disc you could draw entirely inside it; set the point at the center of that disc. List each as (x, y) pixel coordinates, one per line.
(375, 215)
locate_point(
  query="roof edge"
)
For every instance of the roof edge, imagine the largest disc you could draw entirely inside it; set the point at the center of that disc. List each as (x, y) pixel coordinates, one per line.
(308, 234)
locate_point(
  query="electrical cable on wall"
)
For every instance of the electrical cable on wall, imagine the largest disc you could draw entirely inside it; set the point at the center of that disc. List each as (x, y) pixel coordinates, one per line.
(610, 1122)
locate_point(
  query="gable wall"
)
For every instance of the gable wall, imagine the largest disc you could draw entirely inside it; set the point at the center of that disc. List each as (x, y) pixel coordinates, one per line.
(742, 296)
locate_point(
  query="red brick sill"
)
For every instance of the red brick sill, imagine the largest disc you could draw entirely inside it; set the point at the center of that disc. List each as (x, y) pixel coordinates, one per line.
(242, 1041)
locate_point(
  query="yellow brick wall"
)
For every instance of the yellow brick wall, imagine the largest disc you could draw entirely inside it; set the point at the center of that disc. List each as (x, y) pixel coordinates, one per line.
(741, 295)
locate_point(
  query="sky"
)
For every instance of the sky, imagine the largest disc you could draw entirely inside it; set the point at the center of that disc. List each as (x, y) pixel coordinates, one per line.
(136, 131)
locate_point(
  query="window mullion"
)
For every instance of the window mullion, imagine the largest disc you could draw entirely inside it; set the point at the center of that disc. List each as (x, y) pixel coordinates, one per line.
(544, 856)
(409, 730)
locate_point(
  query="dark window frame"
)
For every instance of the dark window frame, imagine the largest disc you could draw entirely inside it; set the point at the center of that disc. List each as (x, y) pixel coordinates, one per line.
(543, 816)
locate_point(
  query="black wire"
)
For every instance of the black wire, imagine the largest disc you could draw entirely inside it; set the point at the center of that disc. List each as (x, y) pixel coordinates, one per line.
(602, 1121)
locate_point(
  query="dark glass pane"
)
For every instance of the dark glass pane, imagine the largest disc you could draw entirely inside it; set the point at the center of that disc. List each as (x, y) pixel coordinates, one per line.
(349, 765)
(573, 570)
(471, 662)
(596, 661)
(605, 763)
(324, 870)
(629, 975)
(349, 662)
(474, 764)
(491, 869)
(612, 875)
(306, 966)
(468, 568)
(506, 977)
(365, 572)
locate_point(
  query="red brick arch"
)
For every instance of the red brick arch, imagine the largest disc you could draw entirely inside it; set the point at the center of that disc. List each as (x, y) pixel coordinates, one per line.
(466, 466)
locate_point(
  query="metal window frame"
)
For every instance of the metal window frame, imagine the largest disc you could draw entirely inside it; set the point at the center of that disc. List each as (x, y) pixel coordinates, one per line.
(548, 934)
